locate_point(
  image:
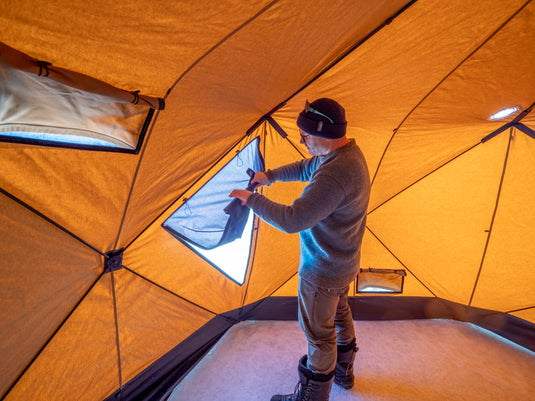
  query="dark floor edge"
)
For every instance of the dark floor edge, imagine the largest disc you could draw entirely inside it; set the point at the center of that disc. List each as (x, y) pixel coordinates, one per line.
(164, 373)
(376, 308)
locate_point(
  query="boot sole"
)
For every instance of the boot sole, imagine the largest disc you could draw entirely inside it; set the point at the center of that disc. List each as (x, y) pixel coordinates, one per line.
(346, 385)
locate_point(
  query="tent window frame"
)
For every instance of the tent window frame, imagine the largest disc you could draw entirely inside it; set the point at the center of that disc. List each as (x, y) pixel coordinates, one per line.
(200, 249)
(104, 111)
(77, 146)
(374, 281)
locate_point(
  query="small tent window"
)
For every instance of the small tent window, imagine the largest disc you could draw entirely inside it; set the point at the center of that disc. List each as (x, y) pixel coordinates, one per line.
(216, 227)
(380, 281)
(46, 105)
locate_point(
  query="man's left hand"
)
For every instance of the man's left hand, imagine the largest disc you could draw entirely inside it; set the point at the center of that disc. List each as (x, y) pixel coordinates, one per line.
(241, 194)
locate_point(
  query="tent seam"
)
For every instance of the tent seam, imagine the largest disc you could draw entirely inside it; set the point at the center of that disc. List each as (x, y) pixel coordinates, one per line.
(396, 130)
(134, 180)
(514, 123)
(337, 60)
(256, 227)
(252, 255)
(520, 309)
(49, 220)
(218, 44)
(352, 48)
(399, 260)
(169, 291)
(49, 339)
(424, 177)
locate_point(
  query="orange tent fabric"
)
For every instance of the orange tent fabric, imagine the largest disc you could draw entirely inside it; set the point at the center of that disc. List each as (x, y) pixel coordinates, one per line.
(451, 201)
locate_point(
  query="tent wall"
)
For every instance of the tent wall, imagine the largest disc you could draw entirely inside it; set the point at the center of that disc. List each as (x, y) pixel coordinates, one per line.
(38, 259)
(419, 80)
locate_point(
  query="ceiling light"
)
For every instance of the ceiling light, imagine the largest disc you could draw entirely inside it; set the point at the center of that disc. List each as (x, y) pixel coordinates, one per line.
(504, 113)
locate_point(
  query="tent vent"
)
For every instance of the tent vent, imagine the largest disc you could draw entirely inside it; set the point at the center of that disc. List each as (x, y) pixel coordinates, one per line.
(380, 281)
(114, 260)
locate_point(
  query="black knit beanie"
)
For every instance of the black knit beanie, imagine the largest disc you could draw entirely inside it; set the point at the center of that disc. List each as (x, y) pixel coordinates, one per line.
(323, 117)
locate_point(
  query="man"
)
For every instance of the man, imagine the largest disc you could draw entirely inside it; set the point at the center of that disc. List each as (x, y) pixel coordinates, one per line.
(330, 216)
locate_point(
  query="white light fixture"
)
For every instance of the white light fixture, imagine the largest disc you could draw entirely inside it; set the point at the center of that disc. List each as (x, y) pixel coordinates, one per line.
(504, 113)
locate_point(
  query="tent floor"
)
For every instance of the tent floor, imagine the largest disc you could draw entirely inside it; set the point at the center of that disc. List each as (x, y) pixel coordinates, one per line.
(398, 360)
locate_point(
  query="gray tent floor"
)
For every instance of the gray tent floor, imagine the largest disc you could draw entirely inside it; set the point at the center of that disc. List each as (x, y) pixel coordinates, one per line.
(398, 360)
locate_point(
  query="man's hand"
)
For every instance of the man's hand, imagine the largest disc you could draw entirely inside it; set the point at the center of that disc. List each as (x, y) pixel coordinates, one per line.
(241, 194)
(260, 178)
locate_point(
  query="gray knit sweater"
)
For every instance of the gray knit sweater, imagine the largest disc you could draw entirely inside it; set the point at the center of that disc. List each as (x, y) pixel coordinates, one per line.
(330, 214)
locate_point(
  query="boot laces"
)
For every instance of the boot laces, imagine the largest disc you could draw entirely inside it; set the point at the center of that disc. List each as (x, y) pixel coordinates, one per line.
(302, 393)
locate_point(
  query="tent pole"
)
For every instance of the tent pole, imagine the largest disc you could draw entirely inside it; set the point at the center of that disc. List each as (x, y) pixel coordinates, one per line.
(117, 339)
(489, 233)
(221, 42)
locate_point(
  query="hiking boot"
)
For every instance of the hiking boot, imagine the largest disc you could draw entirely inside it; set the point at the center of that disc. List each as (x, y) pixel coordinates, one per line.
(311, 386)
(344, 365)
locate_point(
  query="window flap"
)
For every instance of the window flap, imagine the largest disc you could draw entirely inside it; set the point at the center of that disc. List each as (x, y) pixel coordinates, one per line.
(44, 104)
(202, 219)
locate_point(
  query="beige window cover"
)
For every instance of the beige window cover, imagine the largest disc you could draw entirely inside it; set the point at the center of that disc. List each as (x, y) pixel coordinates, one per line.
(38, 97)
(387, 279)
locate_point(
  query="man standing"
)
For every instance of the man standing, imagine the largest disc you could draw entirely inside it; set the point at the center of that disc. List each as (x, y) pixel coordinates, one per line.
(330, 216)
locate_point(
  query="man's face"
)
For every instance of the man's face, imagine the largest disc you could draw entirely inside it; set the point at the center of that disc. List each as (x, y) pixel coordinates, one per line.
(315, 145)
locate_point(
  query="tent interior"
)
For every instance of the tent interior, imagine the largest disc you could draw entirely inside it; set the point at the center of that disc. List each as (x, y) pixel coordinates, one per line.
(115, 115)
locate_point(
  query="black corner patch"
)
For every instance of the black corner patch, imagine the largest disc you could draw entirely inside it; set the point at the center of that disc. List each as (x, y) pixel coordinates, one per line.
(113, 260)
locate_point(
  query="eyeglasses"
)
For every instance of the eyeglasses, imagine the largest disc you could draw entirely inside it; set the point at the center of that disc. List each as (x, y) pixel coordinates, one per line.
(303, 137)
(308, 108)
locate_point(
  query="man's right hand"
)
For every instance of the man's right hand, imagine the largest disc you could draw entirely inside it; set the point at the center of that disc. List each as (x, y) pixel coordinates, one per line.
(260, 178)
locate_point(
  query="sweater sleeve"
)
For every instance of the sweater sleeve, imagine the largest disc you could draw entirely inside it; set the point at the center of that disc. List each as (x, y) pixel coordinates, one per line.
(298, 171)
(318, 200)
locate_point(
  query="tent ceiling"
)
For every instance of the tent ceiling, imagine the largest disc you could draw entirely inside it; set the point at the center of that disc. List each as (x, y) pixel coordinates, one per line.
(132, 45)
(418, 92)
